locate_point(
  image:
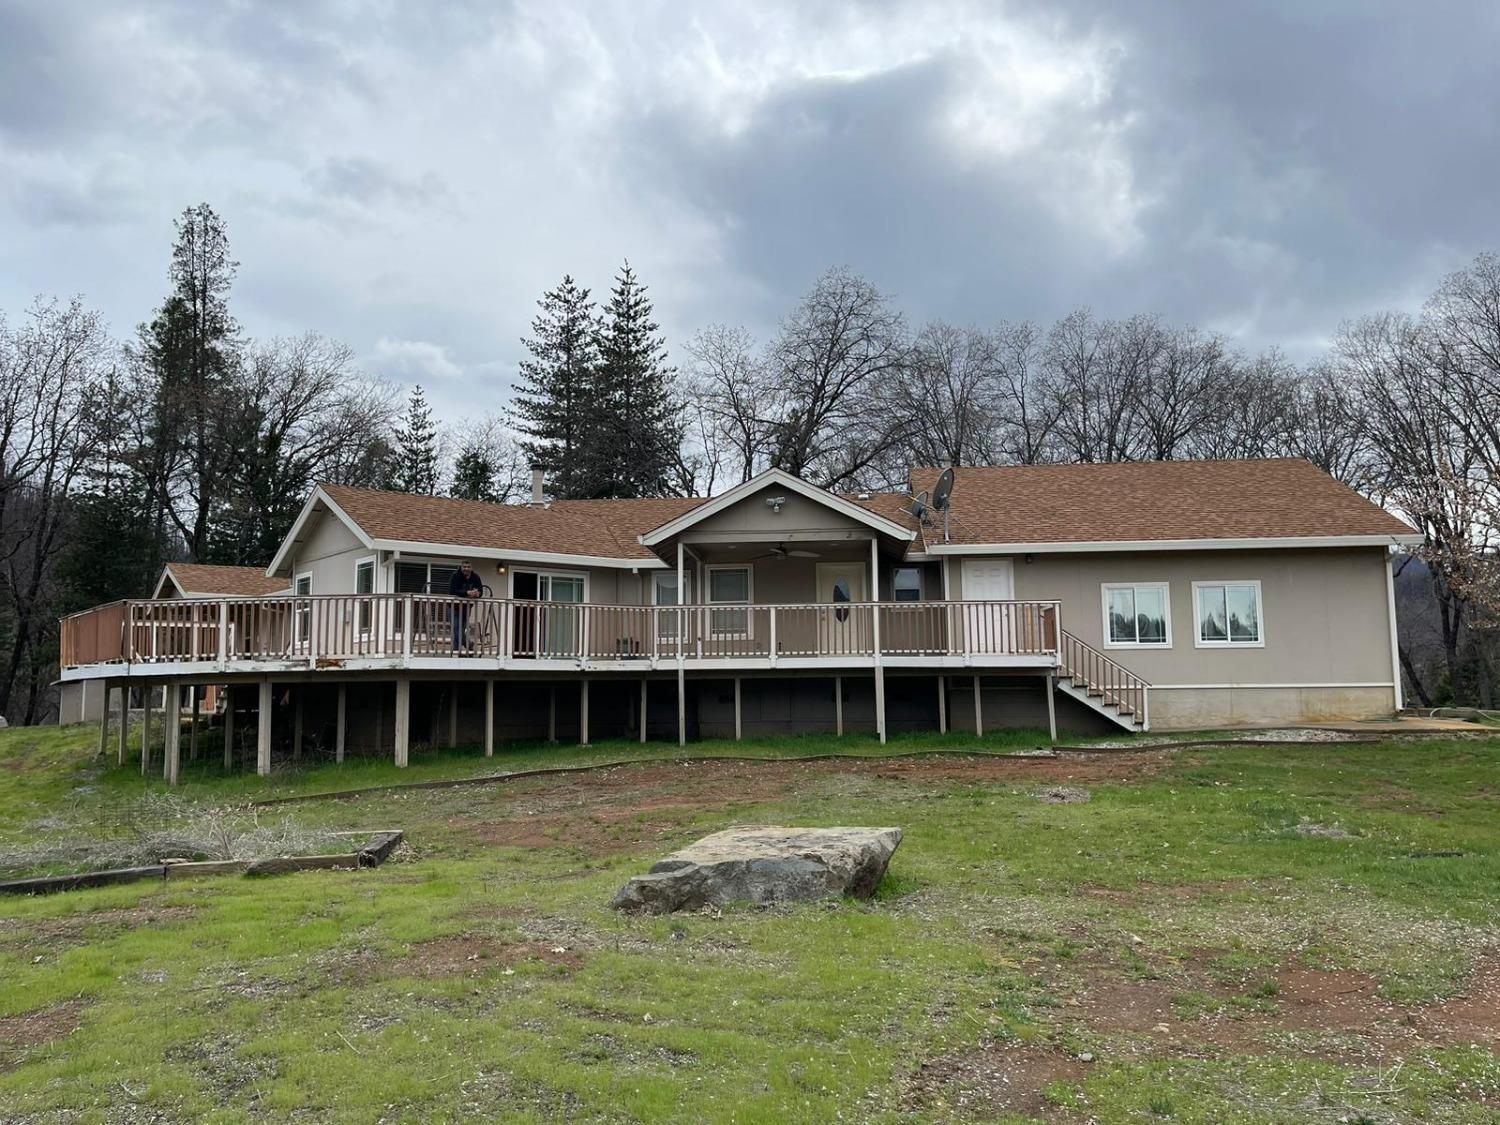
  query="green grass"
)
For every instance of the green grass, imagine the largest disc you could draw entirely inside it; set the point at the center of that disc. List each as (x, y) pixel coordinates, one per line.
(429, 989)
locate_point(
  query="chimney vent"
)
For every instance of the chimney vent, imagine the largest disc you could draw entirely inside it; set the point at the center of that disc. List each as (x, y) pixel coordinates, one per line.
(538, 486)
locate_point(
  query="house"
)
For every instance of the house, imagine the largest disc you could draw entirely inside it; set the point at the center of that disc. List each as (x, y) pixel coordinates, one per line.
(84, 700)
(1086, 597)
(202, 580)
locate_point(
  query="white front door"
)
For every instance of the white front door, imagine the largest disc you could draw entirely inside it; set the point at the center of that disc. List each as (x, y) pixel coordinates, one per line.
(989, 629)
(852, 575)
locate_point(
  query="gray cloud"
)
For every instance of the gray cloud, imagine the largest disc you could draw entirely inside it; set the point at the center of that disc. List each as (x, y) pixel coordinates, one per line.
(410, 178)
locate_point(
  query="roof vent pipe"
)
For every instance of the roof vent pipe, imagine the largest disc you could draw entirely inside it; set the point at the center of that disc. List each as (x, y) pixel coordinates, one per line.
(538, 485)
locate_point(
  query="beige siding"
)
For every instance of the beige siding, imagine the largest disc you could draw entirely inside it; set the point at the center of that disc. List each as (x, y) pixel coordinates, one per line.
(1327, 651)
(329, 553)
(798, 515)
(1325, 616)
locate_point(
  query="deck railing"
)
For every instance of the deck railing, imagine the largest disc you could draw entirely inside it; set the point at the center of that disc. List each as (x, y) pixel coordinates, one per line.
(326, 629)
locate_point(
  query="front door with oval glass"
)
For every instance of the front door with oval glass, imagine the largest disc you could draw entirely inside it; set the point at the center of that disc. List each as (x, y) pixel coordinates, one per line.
(842, 631)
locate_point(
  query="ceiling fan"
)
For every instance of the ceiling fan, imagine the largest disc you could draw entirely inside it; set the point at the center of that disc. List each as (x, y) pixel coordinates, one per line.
(780, 552)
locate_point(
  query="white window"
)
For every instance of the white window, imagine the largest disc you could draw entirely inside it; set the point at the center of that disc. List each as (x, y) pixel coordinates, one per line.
(364, 583)
(664, 593)
(423, 577)
(1228, 615)
(729, 585)
(302, 587)
(1137, 615)
(906, 584)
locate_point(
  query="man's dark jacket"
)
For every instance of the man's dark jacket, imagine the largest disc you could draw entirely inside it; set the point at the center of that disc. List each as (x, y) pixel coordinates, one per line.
(459, 586)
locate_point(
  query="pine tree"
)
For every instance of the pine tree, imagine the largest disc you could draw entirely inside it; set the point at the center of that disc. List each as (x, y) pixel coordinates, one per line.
(637, 426)
(474, 475)
(557, 399)
(416, 448)
(191, 348)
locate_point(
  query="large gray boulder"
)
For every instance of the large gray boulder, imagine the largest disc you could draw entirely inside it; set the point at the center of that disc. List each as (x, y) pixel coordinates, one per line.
(763, 864)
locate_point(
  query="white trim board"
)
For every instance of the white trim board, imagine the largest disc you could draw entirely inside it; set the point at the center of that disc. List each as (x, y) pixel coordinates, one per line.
(780, 479)
(318, 496)
(1174, 545)
(502, 554)
(1240, 687)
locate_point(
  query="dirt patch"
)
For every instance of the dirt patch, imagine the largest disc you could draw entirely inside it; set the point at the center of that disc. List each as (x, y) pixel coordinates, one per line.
(1063, 795)
(1473, 1017)
(995, 1080)
(74, 929)
(608, 811)
(475, 955)
(1175, 892)
(1188, 1007)
(19, 1034)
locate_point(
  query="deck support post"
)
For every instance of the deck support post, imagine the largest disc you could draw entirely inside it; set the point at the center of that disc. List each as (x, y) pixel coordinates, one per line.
(194, 693)
(104, 722)
(942, 682)
(583, 713)
(838, 706)
(341, 723)
(263, 729)
(489, 718)
(978, 709)
(682, 640)
(124, 717)
(643, 709)
(172, 735)
(228, 729)
(146, 701)
(297, 724)
(551, 712)
(875, 637)
(739, 728)
(1051, 707)
(403, 720)
(453, 716)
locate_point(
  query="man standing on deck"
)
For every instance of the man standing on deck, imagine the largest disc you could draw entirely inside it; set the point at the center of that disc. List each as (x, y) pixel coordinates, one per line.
(464, 584)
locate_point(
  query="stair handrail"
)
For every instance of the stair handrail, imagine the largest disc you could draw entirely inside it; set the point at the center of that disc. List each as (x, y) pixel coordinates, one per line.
(1080, 661)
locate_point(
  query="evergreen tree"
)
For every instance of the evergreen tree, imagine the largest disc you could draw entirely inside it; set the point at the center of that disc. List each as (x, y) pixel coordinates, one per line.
(636, 425)
(557, 399)
(474, 475)
(191, 349)
(416, 468)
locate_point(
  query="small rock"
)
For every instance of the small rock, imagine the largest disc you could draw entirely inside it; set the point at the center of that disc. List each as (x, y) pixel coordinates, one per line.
(764, 865)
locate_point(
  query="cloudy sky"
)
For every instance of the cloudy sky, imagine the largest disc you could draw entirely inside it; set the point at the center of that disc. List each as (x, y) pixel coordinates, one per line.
(409, 177)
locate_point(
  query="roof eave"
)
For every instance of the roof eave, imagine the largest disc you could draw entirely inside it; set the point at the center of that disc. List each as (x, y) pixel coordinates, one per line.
(555, 558)
(1266, 543)
(729, 499)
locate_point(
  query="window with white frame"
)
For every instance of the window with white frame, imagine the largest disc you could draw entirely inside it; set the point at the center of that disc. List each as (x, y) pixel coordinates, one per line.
(1137, 615)
(1227, 614)
(664, 593)
(729, 585)
(302, 587)
(906, 584)
(364, 583)
(423, 577)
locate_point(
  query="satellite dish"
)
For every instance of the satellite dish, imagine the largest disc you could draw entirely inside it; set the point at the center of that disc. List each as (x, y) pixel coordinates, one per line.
(919, 505)
(942, 494)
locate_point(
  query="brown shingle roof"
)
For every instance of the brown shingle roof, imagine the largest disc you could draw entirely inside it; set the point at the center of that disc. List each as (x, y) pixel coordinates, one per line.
(1284, 498)
(225, 581)
(597, 528)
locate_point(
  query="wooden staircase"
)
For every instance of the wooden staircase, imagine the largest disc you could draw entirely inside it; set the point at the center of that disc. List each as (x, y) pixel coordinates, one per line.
(1102, 684)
